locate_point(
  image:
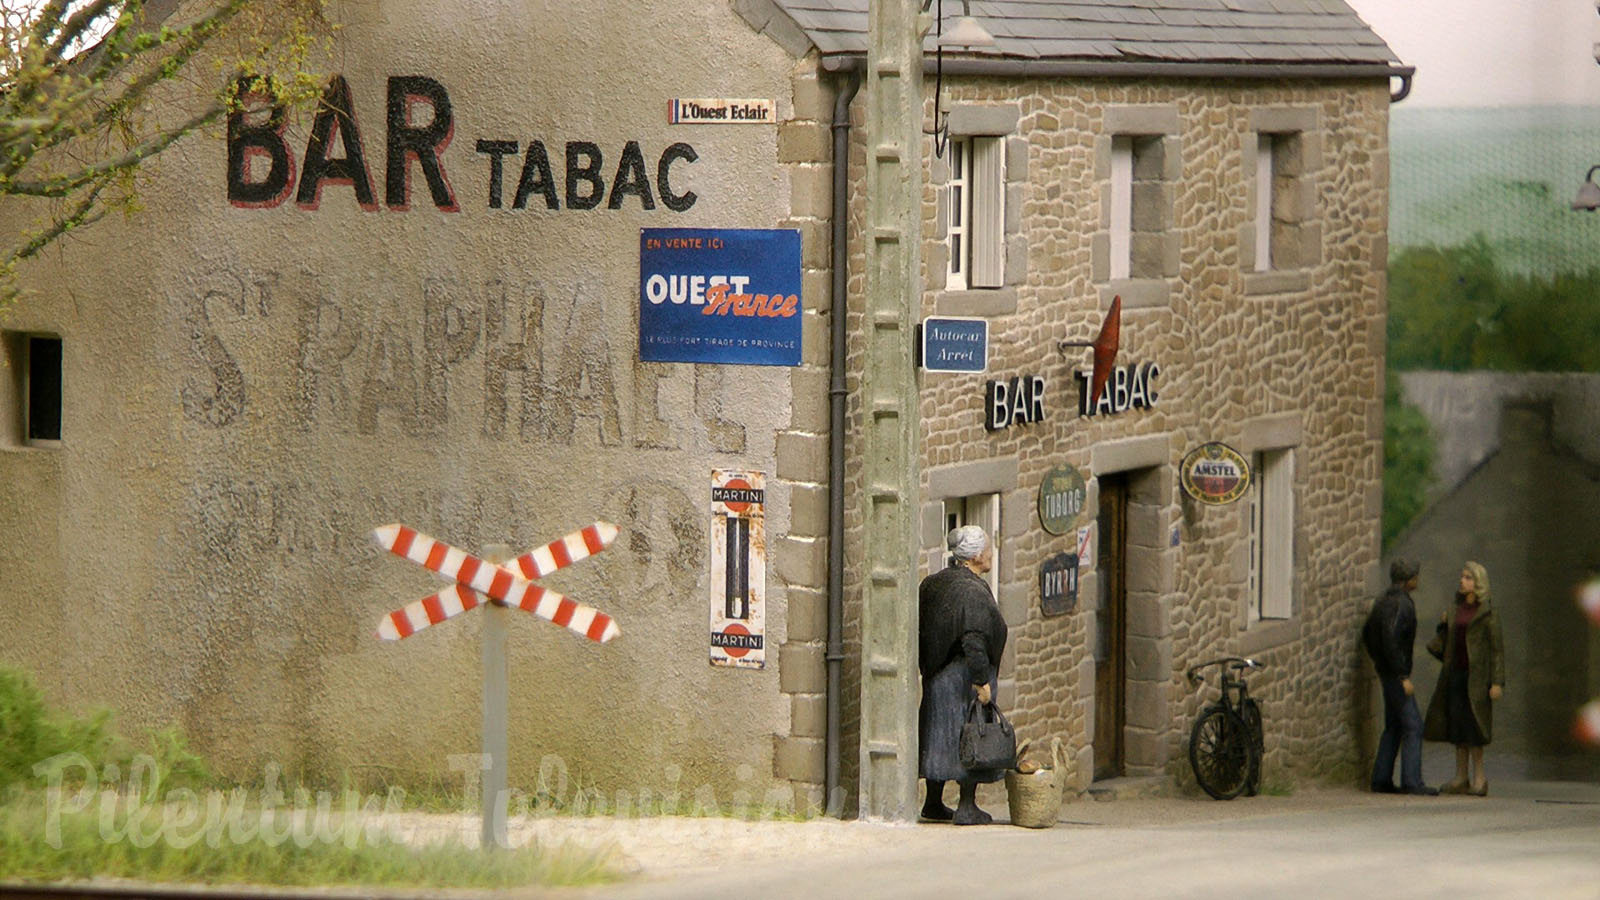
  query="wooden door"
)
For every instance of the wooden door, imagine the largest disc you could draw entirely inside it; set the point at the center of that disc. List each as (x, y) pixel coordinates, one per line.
(1110, 675)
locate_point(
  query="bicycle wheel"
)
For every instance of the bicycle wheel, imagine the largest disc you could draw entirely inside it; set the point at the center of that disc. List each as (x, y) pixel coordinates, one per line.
(1219, 753)
(1251, 714)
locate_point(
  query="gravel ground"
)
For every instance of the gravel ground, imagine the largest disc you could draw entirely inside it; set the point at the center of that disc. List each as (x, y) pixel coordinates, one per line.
(672, 847)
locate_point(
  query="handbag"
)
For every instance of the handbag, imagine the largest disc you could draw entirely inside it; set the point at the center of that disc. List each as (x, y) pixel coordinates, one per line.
(987, 739)
(1436, 646)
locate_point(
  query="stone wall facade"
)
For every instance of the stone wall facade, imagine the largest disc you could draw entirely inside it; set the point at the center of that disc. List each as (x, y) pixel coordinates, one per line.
(1286, 358)
(304, 372)
(249, 391)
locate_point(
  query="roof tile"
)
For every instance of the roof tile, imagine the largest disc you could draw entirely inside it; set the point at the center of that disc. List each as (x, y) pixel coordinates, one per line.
(1177, 30)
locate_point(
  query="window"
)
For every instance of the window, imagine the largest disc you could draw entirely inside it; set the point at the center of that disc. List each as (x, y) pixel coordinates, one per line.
(1140, 208)
(1264, 169)
(975, 198)
(1272, 535)
(32, 401)
(982, 510)
(1281, 200)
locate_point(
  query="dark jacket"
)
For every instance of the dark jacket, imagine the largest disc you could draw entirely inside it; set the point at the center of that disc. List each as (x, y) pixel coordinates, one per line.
(1486, 665)
(958, 616)
(1390, 631)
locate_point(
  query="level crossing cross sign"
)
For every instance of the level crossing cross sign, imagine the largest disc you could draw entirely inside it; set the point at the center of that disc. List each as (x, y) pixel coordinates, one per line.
(478, 582)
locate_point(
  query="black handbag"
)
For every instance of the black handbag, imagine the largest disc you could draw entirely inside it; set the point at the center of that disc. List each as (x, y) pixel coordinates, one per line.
(1436, 646)
(987, 739)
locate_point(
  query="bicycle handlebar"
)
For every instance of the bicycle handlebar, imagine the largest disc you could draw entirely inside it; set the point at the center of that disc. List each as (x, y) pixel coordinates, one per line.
(1238, 663)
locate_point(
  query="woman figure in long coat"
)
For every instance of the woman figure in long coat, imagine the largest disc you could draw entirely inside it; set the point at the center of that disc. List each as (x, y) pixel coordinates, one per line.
(961, 637)
(1473, 676)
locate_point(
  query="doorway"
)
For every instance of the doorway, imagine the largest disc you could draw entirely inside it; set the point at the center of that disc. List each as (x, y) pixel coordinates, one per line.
(1111, 631)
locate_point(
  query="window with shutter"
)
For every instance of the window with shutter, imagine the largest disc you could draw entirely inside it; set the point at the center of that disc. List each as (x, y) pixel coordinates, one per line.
(1272, 536)
(975, 209)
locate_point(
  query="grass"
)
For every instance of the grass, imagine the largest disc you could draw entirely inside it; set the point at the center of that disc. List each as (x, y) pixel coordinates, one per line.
(1277, 787)
(128, 838)
(199, 833)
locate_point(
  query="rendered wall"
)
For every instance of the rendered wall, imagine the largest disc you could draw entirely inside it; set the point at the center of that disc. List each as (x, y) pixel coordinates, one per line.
(250, 390)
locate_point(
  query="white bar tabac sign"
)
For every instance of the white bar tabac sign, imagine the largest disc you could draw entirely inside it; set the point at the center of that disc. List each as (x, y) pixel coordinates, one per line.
(685, 111)
(738, 569)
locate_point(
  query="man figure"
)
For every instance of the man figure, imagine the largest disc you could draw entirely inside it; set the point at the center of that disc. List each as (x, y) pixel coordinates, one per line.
(1390, 630)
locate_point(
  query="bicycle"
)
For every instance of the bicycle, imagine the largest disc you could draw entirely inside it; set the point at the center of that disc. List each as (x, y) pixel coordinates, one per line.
(1226, 743)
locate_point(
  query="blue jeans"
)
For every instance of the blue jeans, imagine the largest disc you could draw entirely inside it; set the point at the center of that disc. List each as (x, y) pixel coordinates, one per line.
(1402, 734)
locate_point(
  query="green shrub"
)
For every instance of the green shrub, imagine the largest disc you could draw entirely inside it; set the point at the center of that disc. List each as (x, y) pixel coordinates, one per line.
(30, 733)
(1456, 309)
(1408, 457)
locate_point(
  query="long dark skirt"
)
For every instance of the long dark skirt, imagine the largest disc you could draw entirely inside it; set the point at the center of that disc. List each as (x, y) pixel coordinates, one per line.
(945, 697)
(1461, 726)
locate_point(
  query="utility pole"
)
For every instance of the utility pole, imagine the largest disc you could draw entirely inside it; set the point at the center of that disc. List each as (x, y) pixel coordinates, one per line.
(889, 407)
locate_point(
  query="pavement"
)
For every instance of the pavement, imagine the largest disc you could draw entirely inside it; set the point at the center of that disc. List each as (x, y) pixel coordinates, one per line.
(1527, 839)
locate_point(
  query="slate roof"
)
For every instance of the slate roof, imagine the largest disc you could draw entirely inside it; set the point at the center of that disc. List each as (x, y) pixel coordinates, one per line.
(1182, 31)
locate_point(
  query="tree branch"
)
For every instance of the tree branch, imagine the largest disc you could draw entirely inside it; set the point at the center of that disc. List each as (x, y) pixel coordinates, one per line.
(79, 217)
(61, 187)
(191, 39)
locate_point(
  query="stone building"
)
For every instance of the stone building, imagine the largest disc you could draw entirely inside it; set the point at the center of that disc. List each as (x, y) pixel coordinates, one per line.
(433, 302)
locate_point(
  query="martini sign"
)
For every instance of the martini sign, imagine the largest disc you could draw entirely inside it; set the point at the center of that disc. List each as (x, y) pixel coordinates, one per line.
(738, 569)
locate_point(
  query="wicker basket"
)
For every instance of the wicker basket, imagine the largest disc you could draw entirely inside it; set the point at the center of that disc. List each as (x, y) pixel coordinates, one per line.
(1036, 797)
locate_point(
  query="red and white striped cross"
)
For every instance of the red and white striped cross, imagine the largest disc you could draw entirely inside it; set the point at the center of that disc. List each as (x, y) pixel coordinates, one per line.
(478, 582)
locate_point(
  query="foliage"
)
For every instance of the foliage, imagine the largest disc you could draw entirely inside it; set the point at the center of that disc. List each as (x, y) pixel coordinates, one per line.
(1408, 457)
(145, 831)
(1456, 308)
(90, 89)
(140, 840)
(30, 732)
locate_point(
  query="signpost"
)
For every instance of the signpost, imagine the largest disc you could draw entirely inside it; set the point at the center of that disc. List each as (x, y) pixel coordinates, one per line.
(491, 582)
(1058, 584)
(955, 344)
(1214, 474)
(738, 569)
(720, 295)
(1062, 493)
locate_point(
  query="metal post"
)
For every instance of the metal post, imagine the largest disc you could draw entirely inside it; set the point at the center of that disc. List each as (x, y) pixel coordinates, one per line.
(495, 689)
(889, 404)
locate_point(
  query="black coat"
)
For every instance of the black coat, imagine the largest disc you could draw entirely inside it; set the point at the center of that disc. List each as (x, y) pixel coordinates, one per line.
(1390, 631)
(959, 616)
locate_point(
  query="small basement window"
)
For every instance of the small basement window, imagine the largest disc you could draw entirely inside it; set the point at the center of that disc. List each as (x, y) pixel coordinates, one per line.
(41, 389)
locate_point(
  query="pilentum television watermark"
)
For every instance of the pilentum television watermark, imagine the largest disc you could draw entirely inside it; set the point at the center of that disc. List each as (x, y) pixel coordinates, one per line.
(132, 805)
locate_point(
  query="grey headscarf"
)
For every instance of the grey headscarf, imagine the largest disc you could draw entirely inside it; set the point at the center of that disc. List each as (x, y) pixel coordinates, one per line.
(966, 542)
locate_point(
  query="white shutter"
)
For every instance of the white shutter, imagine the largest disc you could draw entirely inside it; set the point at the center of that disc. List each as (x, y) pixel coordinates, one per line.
(1121, 206)
(1277, 497)
(987, 230)
(1264, 173)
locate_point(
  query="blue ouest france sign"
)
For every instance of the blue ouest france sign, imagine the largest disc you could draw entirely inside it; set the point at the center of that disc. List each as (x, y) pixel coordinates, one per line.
(719, 295)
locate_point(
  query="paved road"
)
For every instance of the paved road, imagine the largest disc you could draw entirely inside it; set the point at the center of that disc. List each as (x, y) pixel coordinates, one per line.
(1527, 840)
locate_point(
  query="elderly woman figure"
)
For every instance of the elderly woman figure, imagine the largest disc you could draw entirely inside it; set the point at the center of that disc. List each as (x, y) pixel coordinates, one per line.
(961, 637)
(1472, 677)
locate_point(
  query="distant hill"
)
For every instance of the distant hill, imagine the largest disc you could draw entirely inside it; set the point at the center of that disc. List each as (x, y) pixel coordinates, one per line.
(1508, 173)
